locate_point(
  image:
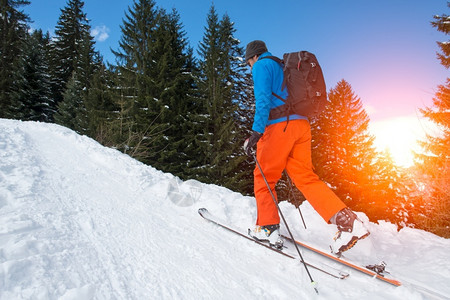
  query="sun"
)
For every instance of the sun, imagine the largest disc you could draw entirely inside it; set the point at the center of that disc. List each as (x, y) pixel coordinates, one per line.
(399, 136)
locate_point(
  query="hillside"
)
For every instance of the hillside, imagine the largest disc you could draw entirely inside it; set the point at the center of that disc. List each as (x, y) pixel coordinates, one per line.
(81, 221)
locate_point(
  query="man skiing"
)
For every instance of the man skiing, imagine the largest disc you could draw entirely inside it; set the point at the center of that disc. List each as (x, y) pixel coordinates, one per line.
(280, 147)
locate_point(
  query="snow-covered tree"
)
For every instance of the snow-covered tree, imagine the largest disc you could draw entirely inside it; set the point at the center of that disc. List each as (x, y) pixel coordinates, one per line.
(343, 150)
(221, 72)
(442, 24)
(156, 68)
(33, 98)
(434, 161)
(71, 111)
(73, 48)
(13, 33)
(387, 198)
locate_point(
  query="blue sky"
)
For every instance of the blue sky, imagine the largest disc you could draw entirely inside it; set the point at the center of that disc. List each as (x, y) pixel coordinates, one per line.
(386, 49)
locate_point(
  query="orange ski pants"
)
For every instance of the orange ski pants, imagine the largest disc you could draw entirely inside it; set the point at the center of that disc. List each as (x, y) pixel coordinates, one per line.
(290, 150)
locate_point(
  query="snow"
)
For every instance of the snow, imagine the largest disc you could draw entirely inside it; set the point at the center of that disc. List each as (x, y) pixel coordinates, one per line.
(81, 221)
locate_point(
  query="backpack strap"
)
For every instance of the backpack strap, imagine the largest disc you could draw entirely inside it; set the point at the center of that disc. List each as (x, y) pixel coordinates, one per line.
(278, 60)
(281, 63)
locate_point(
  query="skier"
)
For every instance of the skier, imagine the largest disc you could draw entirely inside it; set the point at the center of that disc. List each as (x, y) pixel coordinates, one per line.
(280, 147)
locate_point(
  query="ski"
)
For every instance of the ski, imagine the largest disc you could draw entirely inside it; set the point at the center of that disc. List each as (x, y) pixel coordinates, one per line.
(209, 217)
(346, 263)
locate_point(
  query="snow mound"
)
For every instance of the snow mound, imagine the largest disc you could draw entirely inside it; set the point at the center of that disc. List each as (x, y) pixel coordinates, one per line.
(81, 221)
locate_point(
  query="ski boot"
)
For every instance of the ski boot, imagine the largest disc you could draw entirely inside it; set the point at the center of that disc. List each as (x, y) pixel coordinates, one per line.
(267, 233)
(351, 230)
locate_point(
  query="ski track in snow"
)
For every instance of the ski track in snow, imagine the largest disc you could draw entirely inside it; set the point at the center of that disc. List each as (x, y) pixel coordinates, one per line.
(81, 221)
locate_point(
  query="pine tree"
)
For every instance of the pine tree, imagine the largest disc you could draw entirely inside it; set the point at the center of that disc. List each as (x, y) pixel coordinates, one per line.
(102, 109)
(435, 163)
(32, 100)
(236, 86)
(113, 122)
(71, 109)
(13, 33)
(157, 70)
(73, 49)
(137, 71)
(244, 122)
(78, 109)
(387, 197)
(221, 73)
(175, 91)
(343, 151)
(442, 23)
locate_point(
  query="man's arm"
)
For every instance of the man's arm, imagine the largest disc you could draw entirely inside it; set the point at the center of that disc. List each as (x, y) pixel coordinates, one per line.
(262, 81)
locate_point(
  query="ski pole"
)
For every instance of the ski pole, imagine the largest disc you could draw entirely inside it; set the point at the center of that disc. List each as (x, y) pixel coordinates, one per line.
(314, 284)
(301, 216)
(293, 196)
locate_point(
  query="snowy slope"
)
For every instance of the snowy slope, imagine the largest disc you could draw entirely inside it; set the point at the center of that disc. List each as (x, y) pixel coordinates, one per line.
(81, 221)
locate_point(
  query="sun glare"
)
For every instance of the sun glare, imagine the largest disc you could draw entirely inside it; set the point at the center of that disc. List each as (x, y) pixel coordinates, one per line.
(399, 136)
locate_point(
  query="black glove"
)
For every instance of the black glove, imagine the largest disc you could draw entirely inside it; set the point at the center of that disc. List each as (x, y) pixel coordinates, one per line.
(250, 143)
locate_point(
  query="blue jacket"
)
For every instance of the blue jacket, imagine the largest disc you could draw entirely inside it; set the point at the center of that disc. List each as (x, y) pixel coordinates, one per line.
(267, 78)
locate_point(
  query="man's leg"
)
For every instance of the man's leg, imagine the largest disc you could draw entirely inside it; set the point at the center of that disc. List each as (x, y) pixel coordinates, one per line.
(272, 151)
(300, 170)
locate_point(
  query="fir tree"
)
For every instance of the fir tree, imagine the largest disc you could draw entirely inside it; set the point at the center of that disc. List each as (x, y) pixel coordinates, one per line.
(442, 23)
(71, 110)
(137, 72)
(221, 73)
(157, 69)
(386, 197)
(114, 121)
(175, 91)
(244, 123)
(208, 86)
(102, 109)
(13, 33)
(343, 150)
(73, 49)
(435, 163)
(32, 100)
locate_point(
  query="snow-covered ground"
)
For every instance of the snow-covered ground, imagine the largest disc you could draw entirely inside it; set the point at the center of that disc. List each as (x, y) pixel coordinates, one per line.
(81, 221)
